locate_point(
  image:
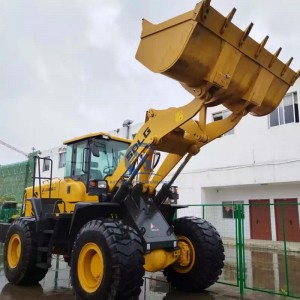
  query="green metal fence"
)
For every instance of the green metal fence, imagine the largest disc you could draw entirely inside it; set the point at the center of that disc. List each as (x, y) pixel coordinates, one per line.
(269, 264)
(263, 265)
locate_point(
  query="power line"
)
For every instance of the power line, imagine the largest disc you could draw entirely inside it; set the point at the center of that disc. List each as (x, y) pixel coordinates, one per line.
(13, 148)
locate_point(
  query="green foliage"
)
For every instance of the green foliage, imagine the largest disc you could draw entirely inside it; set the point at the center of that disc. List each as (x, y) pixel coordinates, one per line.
(283, 292)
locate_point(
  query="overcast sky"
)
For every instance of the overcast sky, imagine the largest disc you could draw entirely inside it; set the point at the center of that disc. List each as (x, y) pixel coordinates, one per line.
(68, 68)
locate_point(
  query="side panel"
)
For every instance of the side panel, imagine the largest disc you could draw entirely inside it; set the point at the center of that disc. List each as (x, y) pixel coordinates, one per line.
(146, 218)
(68, 190)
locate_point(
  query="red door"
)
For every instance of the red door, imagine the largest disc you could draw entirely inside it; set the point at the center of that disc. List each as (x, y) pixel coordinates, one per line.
(260, 219)
(291, 220)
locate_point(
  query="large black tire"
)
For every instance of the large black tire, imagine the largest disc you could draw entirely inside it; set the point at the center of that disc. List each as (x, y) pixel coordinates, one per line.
(208, 256)
(20, 263)
(118, 251)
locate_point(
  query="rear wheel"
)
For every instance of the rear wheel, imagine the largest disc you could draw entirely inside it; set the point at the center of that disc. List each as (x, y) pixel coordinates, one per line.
(107, 261)
(202, 255)
(20, 255)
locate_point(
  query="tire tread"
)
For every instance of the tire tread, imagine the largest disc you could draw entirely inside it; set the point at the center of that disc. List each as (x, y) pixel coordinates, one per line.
(209, 259)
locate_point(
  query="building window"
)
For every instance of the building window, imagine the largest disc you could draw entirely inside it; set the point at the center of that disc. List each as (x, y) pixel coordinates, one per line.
(46, 164)
(286, 112)
(62, 160)
(229, 209)
(221, 115)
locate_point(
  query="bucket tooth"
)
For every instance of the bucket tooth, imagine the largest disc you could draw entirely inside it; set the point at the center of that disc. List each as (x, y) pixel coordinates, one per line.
(228, 20)
(146, 24)
(246, 34)
(295, 78)
(216, 61)
(261, 46)
(286, 66)
(275, 55)
(205, 9)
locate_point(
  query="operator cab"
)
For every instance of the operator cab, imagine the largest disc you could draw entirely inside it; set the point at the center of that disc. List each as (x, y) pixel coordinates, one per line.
(91, 158)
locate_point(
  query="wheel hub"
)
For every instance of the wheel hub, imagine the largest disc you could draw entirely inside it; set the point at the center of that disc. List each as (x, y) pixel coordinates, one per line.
(187, 255)
(90, 267)
(14, 251)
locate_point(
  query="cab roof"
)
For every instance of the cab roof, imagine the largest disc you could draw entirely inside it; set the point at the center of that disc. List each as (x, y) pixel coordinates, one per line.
(95, 135)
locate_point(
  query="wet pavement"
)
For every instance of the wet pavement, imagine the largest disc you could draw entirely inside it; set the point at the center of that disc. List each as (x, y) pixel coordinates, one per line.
(265, 270)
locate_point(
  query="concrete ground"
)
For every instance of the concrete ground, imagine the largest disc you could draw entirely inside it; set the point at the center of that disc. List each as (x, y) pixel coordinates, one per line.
(56, 286)
(264, 269)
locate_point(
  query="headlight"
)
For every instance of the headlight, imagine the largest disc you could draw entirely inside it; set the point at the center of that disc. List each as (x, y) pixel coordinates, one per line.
(102, 184)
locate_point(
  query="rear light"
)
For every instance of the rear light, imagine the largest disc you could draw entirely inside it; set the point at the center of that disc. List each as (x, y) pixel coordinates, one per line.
(93, 183)
(100, 184)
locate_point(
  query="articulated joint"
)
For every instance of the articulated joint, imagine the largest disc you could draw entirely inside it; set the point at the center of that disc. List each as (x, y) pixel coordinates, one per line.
(194, 149)
(159, 259)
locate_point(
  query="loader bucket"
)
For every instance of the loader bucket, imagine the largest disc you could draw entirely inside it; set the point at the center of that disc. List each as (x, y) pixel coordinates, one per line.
(204, 50)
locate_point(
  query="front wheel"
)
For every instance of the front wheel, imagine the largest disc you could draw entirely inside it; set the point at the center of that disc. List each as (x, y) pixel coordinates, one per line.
(202, 255)
(107, 262)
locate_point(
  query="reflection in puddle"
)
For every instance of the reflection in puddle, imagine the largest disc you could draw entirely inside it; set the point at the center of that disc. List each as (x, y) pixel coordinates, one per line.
(265, 270)
(273, 271)
(229, 273)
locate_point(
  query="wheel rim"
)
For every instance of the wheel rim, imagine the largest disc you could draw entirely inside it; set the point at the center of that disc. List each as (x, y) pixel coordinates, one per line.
(186, 263)
(14, 251)
(90, 267)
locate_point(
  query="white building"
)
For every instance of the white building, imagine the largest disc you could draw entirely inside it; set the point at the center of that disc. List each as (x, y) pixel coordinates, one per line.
(258, 162)
(58, 157)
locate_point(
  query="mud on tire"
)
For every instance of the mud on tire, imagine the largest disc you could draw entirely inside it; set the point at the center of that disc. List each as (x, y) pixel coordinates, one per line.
(209, 256)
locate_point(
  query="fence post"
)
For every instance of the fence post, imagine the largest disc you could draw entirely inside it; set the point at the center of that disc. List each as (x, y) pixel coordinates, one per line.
(240, 243)
(285, 248)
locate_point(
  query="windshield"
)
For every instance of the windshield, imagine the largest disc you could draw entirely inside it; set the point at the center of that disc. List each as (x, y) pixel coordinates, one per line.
(105, 157)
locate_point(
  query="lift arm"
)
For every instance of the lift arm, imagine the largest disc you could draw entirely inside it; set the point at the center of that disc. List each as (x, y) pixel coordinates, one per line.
(216, 62)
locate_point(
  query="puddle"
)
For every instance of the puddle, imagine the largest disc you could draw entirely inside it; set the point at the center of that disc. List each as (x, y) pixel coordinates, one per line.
(264, 269)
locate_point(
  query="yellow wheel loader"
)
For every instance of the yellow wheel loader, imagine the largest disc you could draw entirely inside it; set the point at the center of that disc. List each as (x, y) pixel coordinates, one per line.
(113, 216)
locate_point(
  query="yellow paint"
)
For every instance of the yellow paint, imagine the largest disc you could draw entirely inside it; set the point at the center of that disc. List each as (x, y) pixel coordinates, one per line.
(90, 267)
(14, 251)
(199, 52)
(208, 60)
(217, 64)
(159, 259)
(146, 170)
(178, 116)
(187, 255)
(166, 167)
(94, 135)
(60, 190)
